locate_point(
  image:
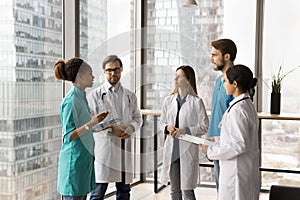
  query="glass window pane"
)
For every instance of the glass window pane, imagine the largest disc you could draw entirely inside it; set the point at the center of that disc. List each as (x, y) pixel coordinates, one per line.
(277, 178)
(286, 135)
(281, 33)
(30, 43)
(105, 29)
(186, 38)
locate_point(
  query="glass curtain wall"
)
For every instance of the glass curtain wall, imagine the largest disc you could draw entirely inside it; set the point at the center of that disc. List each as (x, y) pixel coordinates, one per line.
(106, 28)
(281, 138)
(30, 132)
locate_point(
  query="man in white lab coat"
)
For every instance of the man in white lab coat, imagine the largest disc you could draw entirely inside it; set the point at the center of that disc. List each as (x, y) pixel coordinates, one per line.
(113, 156)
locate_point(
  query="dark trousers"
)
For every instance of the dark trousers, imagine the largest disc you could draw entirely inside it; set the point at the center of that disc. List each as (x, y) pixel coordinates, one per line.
(74, 197)
(123, 191)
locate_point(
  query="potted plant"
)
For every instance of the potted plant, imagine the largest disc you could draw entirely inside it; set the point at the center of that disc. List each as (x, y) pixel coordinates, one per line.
(276, 89)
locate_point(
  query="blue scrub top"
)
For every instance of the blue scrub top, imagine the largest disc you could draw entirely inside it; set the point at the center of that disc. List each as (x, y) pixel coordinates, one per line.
(76, 175)
(220, 103)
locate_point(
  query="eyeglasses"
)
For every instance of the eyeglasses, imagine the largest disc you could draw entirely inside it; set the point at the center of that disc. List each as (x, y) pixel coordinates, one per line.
(115, 70)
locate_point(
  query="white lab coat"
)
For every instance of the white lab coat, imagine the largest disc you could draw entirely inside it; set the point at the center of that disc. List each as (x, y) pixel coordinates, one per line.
(108, 146)
(238, 152)
(192, 115)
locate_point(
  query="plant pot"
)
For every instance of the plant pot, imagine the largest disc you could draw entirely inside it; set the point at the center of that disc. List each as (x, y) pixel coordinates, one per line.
(275, 103)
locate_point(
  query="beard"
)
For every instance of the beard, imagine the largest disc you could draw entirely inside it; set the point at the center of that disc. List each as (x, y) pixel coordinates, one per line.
(220, 66)
(114, 80)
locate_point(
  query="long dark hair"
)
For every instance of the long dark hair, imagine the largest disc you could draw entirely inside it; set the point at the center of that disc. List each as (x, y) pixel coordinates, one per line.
(190, 76)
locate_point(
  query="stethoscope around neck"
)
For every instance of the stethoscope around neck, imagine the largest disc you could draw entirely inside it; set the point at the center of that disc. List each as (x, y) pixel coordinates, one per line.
(104, 95)
(237, 102)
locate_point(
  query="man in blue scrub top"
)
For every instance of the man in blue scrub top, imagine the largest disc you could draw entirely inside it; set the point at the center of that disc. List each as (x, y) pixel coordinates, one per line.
(223, 53)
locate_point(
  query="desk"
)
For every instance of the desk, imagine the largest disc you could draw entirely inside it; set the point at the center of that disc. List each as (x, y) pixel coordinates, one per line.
(284, 116)
(261, 116)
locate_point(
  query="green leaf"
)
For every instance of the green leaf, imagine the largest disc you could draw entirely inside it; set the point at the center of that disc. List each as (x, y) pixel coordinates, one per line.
(278, 78)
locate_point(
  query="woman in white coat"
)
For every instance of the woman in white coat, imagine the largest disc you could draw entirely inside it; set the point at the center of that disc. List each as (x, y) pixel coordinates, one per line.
(183, 113)
(237, 149)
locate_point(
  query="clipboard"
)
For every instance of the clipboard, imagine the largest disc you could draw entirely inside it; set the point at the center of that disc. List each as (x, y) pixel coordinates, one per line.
(196, 140)
(104, 125)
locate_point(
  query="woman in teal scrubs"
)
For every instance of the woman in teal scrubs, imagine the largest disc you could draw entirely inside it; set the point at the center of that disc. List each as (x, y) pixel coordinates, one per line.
(76, 176)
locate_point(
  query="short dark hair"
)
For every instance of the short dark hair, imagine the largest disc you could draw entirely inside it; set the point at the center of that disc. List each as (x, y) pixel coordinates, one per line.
(225, 46)
(110, 59)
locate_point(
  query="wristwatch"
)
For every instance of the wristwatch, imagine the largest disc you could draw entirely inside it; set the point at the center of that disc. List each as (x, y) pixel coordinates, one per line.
(109, 130)
(86, 127)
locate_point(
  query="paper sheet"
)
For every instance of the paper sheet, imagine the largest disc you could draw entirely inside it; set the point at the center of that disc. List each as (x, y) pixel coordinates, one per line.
(195, 140)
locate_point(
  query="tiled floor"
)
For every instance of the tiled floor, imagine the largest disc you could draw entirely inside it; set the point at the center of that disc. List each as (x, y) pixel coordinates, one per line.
(144, 191)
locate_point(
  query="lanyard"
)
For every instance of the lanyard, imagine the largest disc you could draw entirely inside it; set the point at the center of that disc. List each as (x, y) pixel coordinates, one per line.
(237, 102)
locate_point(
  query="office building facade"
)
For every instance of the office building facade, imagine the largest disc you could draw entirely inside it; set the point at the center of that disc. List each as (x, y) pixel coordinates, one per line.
(177, 35)
(30, 130)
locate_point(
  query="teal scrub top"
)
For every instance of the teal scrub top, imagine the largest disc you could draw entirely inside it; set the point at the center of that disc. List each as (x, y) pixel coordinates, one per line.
(76, 175)
(220, 103)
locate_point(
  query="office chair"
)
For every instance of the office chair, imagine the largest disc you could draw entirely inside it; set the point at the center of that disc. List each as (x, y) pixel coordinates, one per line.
(279, 192)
